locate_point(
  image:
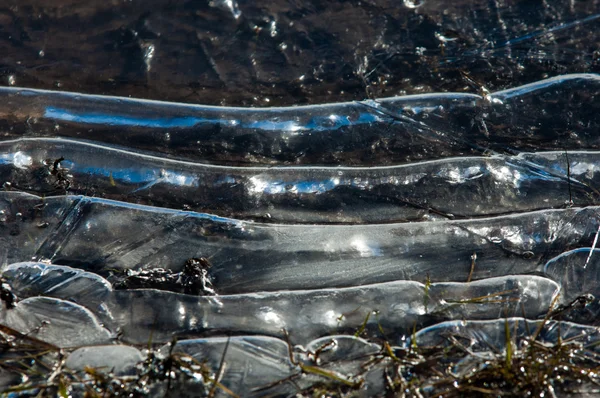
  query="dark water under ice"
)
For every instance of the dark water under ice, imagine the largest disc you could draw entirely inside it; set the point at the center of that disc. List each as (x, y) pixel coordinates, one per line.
(219, 172)
(249, 53)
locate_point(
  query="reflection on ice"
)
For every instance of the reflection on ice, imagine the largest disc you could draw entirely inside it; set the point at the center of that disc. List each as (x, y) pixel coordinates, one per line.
(451, 188)
(408, 219)
(252, 362)
(393, 307)
(58, 322)
(386, 131)
(103, 235)
(486, 335)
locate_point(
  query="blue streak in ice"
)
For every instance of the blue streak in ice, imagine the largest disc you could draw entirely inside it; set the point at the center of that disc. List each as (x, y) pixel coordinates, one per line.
(318, 123)
(99, 118)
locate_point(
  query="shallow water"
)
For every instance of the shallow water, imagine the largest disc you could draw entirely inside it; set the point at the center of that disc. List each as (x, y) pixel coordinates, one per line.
(292, 52)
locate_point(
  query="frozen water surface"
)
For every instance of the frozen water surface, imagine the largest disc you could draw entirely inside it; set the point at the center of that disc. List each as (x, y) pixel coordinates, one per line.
(486, 335)
(58, 322)
(437, 187)
(101, 235)
(406, 219)
(459, 187)
(120, 359)
(554, 114)
(392, 307)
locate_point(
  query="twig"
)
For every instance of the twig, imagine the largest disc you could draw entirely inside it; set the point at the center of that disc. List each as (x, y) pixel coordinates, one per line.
(593, 248)
(473, 259)
(569, 178)
(219, 374)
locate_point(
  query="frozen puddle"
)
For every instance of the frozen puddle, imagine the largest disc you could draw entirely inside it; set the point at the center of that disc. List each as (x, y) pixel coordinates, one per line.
(263, 252)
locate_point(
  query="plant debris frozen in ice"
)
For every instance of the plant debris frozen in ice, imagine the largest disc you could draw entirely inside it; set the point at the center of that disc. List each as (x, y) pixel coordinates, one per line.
(126, 244)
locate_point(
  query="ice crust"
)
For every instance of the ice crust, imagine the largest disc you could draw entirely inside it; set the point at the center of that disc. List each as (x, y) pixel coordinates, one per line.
(100, 235)
(459, 187)
(394, 307)
(405, 220)
(387, 131)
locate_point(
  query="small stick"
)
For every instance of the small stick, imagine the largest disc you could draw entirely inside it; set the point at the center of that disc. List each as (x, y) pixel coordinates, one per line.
(220, 371)
(473, 259)
(593, 248)
(569, 178)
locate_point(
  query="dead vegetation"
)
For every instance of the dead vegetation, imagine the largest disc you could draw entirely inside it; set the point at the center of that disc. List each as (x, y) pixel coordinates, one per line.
(38, 370)
(461, 366)
(526, 366)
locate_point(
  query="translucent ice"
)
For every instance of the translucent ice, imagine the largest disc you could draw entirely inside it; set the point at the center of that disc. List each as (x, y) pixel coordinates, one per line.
(58, 322)
(450, 188)
(386, 131)
(392, 307)
(251, 361)
(120, 359)
(101, 235)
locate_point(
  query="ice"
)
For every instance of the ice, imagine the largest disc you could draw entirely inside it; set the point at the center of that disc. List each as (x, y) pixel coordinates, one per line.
(259, 366)
(499, 297)
(339, 348)
(318, 226)
(100, 235)
(489, 335)
(251, 361)
(577, 272)
(554, 114)
(393, 307)
(346, 242)
(25, 219)
(250, 257)
(530, 345)
(400, 215)
(54, 321)
(39, 279)
(119, 359)
(347, 357)
(453, 188)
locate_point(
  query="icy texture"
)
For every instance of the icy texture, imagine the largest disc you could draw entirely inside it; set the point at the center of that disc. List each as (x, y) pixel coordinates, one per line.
(120, 359)
(257, 54)
(243, 52)
(438, 214)
(450, 202)
(101, 235)
(58, 322)
(386, 131)
(260, 366)
(393, 307)
(491, 340)
(483, 336)
(345, 355)
(80, 287)
(251, 362)
(577, 271)
(338, 348)
(450, 188)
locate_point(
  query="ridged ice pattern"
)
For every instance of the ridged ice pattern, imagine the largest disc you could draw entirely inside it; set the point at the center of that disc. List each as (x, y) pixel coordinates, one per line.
(412, 219)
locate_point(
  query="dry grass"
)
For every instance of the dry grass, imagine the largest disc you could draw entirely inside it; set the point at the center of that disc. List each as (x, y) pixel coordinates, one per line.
(525, 366)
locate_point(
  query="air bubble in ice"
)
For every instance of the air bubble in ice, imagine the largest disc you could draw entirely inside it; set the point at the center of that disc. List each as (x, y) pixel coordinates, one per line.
(149, 51)
(414, 3)
(21, 160)
(228, 5)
